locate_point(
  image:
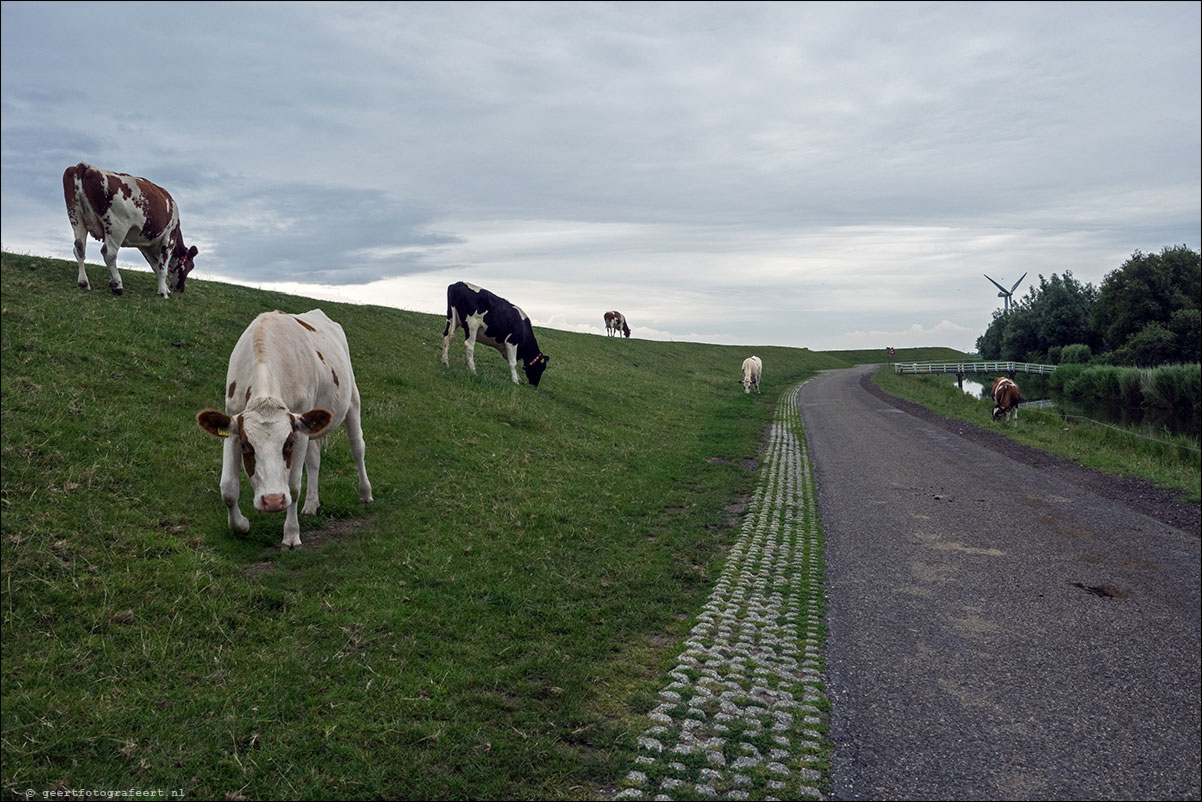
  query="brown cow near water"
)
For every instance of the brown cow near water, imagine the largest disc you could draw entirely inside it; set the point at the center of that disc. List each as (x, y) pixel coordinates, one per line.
(1006, 397)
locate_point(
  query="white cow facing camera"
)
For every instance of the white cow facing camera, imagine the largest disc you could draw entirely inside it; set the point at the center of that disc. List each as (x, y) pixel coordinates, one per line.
(289, 384)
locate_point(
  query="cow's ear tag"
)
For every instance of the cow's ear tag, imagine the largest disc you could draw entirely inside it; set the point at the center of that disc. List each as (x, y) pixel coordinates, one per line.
(224, 432)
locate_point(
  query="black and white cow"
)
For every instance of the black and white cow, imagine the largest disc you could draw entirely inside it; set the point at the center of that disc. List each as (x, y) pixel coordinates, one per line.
(493, 321)
(120, 211)
(288, 385)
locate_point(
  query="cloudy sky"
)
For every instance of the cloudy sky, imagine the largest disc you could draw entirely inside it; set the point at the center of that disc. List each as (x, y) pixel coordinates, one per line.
(827, 175)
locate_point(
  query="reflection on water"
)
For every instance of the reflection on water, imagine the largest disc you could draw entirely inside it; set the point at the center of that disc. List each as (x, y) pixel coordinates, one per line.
(1150, 422)
(975, 389)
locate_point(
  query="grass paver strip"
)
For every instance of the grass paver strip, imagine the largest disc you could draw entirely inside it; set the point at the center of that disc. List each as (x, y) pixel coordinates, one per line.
(745, 714)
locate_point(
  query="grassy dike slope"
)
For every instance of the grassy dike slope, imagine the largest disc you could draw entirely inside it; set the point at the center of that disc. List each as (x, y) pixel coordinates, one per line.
(490, 628)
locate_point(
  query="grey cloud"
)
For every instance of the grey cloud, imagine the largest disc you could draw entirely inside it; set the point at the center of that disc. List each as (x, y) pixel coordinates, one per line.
(33, 156)
(904, 146)
(312, 233)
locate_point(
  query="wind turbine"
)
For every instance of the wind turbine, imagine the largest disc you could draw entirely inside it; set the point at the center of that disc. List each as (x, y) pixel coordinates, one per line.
(1006, 293)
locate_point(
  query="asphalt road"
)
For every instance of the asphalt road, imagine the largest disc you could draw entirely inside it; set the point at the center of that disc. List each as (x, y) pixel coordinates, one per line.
(995, 630)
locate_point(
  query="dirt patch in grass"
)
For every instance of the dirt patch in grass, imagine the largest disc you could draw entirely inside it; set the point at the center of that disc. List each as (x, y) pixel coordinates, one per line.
(337, 527)
(312, 539)
(736, 509)
(748, 463)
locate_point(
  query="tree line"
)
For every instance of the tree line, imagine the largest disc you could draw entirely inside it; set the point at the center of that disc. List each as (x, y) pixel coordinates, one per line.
(1148, 312)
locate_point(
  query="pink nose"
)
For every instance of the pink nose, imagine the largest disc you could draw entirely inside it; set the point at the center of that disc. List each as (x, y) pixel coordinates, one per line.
(273, 503)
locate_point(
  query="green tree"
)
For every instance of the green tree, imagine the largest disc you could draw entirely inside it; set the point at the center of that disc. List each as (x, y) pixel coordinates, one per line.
(989, 344)
(1148, 288)
(1152, 345)
(1020, 340)
(1075, 354)
(1050, 316)
(1061, 309)
(1186, 325)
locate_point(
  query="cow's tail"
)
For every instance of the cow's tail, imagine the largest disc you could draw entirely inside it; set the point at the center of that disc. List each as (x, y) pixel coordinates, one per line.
(73, 186)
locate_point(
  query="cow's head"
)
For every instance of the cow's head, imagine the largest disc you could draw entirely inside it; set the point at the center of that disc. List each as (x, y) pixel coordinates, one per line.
(535, 367)
(181, 265)
(272, 441)
(625, 328)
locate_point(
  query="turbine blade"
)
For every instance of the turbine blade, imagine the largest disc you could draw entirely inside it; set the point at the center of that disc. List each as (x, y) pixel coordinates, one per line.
(999, 286)
(1020, 281)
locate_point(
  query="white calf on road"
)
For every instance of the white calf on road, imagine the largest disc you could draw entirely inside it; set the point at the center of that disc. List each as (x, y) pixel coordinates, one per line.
(753, 368)
(289, 383)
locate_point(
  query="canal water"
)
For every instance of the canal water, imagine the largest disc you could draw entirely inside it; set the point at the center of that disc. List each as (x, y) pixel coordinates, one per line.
(1149, 422)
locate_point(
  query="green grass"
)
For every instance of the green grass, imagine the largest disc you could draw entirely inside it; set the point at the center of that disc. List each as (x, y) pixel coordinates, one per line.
(492, 627)
(1171, 462)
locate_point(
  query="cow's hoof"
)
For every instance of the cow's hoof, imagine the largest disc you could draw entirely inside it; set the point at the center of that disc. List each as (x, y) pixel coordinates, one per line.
(83, 285)
(164, 295)
(117, 290)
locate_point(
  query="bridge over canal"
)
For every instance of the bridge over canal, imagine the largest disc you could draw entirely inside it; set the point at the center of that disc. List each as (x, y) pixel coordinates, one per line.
(961, 368)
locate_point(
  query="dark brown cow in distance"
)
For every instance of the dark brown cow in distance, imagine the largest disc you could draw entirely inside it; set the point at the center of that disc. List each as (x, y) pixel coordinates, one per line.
(615, 322)
(122, 211)
(1006, 397)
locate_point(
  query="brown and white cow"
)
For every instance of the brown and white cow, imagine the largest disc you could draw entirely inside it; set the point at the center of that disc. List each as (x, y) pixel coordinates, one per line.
(1005, 397)
(492, 320)
(615, 322)
(120, 211)
(753, 368)
(289, 383)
